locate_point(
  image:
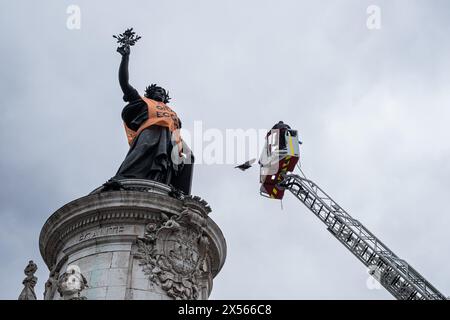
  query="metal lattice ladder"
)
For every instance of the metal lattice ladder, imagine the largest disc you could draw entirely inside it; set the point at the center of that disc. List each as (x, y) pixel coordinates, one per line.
(393, 273)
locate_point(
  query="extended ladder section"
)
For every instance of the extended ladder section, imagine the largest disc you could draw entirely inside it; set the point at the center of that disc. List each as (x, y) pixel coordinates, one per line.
(395, 274)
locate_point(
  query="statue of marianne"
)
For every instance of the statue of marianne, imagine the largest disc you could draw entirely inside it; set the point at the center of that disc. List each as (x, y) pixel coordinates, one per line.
(152, 130)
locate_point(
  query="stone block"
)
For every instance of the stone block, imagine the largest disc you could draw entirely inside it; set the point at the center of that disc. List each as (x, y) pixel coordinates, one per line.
(94, 262)
(99, 278)
(140, 283)
(137, 270)
(116, 293)
(95, 293)
(113, 246)
(145, 295)
(81, 254)
(120, 259)
(118, 277)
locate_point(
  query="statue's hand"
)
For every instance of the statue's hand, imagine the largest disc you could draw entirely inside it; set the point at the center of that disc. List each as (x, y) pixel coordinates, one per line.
(124, 50)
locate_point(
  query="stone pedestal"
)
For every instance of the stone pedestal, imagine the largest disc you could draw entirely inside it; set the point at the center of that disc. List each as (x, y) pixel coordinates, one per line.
(137, 243)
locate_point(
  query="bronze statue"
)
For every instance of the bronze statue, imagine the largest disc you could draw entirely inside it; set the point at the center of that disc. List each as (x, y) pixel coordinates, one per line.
(157, 151)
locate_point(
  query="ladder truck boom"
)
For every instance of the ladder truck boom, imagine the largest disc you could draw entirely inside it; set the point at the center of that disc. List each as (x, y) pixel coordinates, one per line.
(278, 160)
(393, 273)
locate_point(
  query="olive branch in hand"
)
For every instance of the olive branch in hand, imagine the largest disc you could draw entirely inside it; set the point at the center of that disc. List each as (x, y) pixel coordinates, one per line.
(127, 39)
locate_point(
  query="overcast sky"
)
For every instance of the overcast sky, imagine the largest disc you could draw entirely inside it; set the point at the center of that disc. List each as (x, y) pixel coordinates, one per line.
(372, 108)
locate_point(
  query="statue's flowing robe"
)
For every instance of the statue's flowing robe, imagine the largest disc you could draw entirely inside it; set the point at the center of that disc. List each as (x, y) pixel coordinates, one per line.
(28, 291)
(149, 156)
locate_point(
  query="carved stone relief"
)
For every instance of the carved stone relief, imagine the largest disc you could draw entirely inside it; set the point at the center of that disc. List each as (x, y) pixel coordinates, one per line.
(173, 253)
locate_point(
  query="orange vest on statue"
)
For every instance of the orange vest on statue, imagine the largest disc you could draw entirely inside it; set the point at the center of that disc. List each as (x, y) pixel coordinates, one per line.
(159, 114)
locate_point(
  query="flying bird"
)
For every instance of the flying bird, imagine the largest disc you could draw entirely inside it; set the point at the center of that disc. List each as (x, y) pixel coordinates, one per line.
(245, 165)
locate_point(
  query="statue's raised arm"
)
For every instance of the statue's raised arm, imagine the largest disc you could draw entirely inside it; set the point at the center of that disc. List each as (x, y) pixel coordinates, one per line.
(157, 151)
(126, 40)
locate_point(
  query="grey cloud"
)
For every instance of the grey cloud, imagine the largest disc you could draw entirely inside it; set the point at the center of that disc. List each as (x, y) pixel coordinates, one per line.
(371, 107)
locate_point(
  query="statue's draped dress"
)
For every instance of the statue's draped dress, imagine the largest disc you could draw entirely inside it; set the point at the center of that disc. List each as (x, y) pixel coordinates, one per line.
(149, 156)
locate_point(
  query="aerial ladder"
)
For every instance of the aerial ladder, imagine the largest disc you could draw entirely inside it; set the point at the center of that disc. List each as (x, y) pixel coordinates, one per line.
(393, 273)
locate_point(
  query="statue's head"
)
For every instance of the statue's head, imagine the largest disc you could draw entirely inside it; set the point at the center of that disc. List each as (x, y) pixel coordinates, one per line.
(157, 93)
(72, 281)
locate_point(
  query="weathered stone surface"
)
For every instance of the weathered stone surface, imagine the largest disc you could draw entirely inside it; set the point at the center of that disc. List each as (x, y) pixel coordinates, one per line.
(96, 261)
(118, 277)
(116, 292)
(71, 284)
(96, 293)
(99, 278)
(120, 259)
(146, 295)
(136, 244)
(29, 282)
